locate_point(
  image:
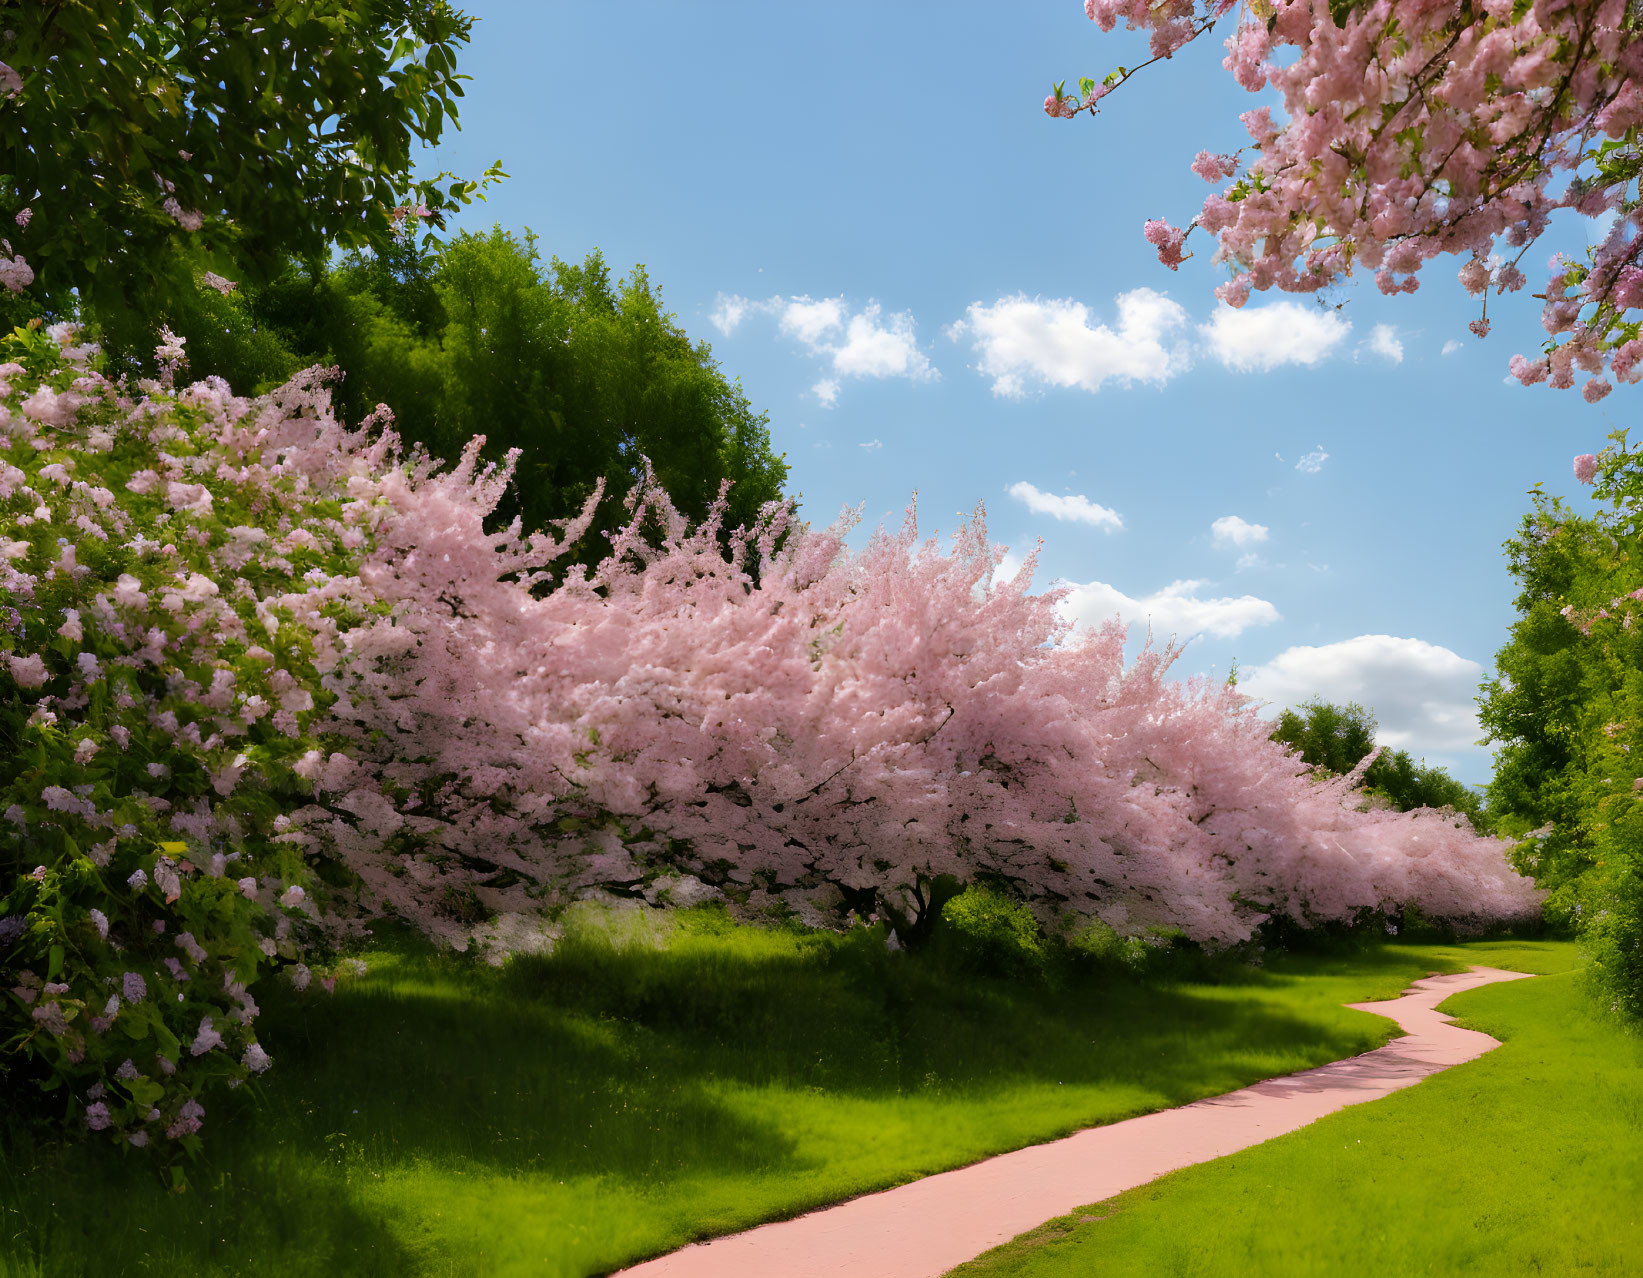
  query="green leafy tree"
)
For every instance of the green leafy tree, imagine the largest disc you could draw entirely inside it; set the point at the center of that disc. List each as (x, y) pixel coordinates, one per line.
(587, 375)
(1534, 708)
(1336, 739)
(150, 139)
(1566, 709)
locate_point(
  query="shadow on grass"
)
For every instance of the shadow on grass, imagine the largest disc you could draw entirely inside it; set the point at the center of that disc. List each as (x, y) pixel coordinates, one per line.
(630, 1064)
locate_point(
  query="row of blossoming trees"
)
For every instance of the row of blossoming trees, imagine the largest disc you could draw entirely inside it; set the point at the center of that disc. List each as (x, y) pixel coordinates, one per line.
(263, 676)
(1423, 128)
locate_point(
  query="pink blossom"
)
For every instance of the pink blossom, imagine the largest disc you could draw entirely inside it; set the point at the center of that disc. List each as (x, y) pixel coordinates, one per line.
(1595, 389)
(1212, 167)
(188, 219)
(188, 1119)
(15, 273)
(97, 1117)
(1491, 105)
(255, 1059)
(205, 1039)
(29, 671)
(189, 946)
(1167, 240)
(1585, 467)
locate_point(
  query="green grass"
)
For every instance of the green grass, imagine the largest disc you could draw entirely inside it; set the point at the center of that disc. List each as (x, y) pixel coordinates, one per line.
(1527, 1161)
(571, 1114)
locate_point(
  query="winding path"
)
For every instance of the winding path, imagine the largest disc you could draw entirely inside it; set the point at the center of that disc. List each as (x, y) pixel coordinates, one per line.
(924, 1228)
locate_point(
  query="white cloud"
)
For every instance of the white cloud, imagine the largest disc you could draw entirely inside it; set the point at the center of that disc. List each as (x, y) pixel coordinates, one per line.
(1422, 695)
(1313, 462)
(1383, 341)
(1257, 339)
(1074, 508)
(1251, 560)
(1021, 340)
(729, 312)
(811, 321)
(1177, 609)
(868, 343)
(1451, 346)
(871, 444)
(1230, 530)
(890, 349)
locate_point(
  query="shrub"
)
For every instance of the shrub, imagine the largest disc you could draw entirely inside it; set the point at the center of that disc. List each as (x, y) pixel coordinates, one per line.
(992, 934)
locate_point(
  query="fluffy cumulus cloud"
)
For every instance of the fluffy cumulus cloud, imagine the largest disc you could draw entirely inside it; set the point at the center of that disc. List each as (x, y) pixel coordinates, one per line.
(1383, 341)
(1074, 508)
(1230, 530)
(862, 344)
(1178, 609)
(810, 322)
(1451, 346)
(1421, 694)
(1258, 339)
(1021, 342)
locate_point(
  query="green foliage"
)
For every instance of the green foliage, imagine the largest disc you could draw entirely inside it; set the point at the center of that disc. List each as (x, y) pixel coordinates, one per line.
(991, 933)
(1566, 711)
(1336, 739)
(1327, 736)
(585, 374)
(271, 129)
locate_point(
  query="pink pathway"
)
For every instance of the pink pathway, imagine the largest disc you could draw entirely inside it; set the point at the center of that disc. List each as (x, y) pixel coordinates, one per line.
(925, 1228)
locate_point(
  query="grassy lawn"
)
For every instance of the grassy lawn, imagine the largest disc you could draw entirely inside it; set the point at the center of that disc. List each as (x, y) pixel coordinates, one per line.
(1528, 1161)
(570, 1114)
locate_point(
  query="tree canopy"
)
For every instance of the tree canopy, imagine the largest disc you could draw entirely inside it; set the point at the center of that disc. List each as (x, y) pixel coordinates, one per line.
(1566, 709)
(138, 139)
(1336, 739)
(1405, 132)
(589, 376)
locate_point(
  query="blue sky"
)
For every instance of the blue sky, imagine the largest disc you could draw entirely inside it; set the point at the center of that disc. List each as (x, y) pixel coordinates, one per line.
(929, 285)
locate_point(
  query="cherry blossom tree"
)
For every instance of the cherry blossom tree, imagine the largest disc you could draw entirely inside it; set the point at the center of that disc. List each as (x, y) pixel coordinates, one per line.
(240, 640)
(1413, 130)
(839, 729)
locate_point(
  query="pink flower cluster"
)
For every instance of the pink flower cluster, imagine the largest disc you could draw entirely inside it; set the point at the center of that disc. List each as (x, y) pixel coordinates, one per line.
(1415, 130)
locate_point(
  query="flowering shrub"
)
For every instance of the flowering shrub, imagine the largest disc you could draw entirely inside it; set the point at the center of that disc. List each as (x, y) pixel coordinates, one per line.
(153, 683)
(261, 676)
(1414, 130)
